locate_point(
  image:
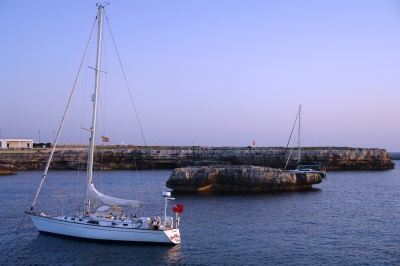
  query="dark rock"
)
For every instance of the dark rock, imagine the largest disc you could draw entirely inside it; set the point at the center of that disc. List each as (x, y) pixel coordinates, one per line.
(6, 169)
(238, 178)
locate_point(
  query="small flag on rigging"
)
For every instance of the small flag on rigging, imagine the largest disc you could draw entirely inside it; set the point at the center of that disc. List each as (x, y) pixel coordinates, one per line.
(105, 139)
(177, 208)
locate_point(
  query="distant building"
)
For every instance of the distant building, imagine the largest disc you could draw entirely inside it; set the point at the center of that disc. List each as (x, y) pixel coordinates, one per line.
(16, 143)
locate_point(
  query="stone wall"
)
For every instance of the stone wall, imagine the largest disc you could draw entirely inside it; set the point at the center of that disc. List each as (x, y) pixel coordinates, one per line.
(333, 158)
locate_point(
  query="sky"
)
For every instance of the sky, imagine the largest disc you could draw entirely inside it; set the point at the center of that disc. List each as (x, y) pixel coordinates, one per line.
(205, 73)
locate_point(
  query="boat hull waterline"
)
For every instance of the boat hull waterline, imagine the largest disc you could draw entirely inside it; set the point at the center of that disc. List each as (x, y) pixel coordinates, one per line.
(103, 231)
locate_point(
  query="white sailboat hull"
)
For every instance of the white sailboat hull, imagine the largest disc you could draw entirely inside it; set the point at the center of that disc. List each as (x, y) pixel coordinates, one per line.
(105, 233)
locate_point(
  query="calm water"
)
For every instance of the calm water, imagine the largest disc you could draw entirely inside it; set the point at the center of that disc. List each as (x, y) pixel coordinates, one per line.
(351, 218)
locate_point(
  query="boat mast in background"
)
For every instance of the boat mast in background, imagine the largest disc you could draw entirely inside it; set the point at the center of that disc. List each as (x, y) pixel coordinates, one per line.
(298, 155)
(302, 167)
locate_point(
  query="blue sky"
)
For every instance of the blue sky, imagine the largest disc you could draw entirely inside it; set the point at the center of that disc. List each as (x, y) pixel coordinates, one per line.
(210, 73)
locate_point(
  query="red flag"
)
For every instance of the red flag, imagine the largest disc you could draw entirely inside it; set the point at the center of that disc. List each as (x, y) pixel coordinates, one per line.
(105, 139)
(177, 208)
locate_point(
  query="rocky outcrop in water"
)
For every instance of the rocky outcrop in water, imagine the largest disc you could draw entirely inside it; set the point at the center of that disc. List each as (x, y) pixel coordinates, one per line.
(7, 169)
(240, 178)
(125, 157)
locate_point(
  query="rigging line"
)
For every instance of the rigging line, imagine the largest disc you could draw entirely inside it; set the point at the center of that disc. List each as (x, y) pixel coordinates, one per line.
(84, 105)
(301, 128)
(288, 157)
(126, 81)
(291, 150)
(78, 177)
(287, 145)
(130, 94)
(98, 175)
(137, 178)
(62, 121)
(20, 222)
(55, 196)
(99, 158)
(84, 111)
(79, 169)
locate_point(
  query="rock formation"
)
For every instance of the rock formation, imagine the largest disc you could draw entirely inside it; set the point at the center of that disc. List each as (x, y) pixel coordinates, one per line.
(6, 169)
(240, 178)
(125, 157)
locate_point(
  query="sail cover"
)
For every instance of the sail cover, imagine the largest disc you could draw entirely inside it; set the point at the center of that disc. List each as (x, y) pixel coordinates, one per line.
(94, 194)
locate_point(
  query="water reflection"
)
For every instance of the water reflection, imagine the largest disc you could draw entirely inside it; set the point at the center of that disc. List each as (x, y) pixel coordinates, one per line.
(57, 250)
(173, 255)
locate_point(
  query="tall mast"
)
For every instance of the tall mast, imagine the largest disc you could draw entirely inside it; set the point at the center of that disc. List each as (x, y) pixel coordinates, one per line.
(298, 156)
(95, 95)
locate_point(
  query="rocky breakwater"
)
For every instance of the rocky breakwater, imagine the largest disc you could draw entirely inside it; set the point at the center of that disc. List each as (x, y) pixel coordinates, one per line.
(6, 169)
(239, 178)
(169, 157)
(350, 158)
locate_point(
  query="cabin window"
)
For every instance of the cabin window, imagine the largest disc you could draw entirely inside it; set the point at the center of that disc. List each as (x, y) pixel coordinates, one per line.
(8, 145)
(1, 144)
(125, 224)
(27, 145)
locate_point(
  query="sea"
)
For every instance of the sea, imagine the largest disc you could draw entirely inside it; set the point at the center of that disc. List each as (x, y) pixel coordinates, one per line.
(351, 218)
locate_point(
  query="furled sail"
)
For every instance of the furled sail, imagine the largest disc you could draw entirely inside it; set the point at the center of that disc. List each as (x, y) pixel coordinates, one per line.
(92, 193)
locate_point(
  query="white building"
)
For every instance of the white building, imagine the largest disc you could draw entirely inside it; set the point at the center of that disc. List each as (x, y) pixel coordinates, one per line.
(16, 143)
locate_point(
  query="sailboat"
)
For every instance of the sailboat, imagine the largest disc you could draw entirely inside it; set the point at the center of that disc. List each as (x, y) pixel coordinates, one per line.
(301, 166)
(110, 221)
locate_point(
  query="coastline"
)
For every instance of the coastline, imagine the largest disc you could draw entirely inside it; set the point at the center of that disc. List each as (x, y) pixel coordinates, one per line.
(171, 157)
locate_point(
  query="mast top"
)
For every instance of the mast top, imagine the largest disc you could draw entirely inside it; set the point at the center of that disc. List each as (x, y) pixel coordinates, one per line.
(103, 4)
